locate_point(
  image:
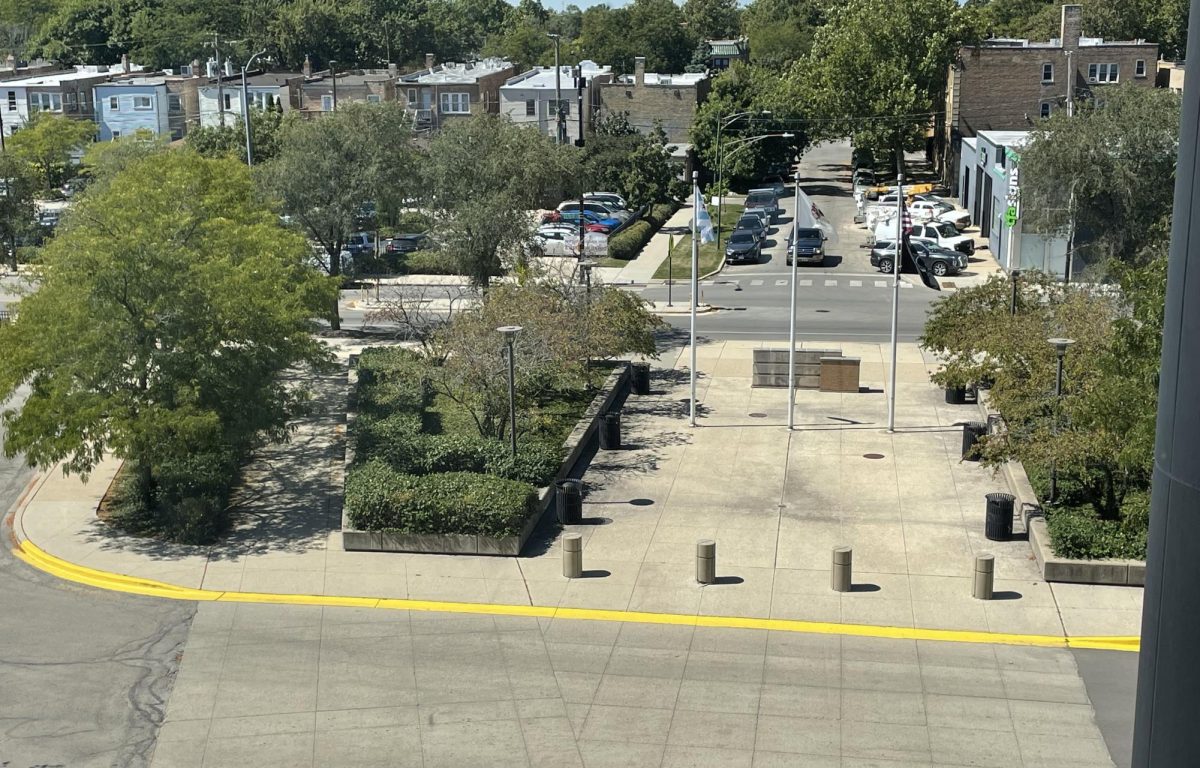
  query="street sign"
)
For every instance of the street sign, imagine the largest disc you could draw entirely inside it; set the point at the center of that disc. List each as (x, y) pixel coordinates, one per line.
(1010, 216)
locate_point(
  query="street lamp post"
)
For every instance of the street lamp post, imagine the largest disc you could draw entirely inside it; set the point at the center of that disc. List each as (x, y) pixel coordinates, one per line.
(586, 266)
(722, 124)
(510, 336)
(558, 115)
(1060, 348)
(1014, 276)
(246, 107)
(333, 79)
(791, 257)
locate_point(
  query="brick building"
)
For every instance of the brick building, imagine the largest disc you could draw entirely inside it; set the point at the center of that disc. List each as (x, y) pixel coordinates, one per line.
(450, 91)
(650, 98)
(1009, 84)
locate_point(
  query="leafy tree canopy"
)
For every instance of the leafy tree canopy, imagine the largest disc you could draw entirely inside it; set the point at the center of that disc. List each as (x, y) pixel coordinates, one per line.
(48, 142)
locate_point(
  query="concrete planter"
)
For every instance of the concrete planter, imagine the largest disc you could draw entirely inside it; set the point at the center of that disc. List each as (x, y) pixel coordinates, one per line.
(1130, 573)
(616, 386)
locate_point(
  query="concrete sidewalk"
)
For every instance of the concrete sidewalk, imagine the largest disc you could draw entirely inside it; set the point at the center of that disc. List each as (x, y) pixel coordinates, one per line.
(642, 269)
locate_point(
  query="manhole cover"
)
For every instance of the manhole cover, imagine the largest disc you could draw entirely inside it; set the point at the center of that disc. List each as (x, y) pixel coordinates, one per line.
(641, 502)
(872, 455)
(758, 415)
(821, 311)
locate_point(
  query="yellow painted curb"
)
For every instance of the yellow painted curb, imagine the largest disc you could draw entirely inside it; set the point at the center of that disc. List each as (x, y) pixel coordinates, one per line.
(31, 554)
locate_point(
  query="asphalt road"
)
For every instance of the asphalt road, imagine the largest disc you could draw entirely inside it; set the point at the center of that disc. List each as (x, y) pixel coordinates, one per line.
(84, 674)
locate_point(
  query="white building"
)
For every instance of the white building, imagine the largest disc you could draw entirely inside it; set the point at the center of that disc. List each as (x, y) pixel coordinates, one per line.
(266, 90)
(528, 98)
(64, 93)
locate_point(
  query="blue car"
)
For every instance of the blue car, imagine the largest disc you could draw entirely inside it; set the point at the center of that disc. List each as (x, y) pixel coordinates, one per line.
(607, 222)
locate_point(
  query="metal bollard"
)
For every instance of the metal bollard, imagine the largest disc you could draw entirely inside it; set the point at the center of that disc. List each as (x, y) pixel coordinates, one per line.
(573, 556)
(840, 579)
(706, 561)
(985, 574)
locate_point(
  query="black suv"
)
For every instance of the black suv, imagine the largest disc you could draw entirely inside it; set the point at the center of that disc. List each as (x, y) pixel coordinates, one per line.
(808, 246)
(743, 245)
(937, 261)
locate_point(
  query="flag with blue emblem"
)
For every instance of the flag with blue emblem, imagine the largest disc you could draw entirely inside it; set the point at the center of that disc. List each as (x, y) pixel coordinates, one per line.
(703, 220)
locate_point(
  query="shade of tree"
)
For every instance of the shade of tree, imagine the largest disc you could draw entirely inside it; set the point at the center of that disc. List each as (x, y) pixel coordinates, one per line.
(482, 177)
(326, 171)
(1119, 161)
(17, 204)
(48, 142)
(170, 304)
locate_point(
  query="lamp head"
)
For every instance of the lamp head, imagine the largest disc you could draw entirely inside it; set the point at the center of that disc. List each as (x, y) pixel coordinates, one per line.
(1061, 345)
(588, 263)
(510, 332)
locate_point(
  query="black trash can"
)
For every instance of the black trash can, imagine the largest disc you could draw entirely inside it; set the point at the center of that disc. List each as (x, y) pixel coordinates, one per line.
(956, 395)
(568, 501)
(999, 524)
(639, 378)
(972, 431)
(610, 431)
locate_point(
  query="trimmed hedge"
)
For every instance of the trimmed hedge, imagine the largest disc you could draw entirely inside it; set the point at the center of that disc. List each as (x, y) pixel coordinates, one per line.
(628, 243)
(1077, 532)
(428, 263)
(378, 498)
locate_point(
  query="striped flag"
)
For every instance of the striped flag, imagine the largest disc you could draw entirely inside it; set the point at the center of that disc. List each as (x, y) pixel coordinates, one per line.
(703, 220)
(906, 221)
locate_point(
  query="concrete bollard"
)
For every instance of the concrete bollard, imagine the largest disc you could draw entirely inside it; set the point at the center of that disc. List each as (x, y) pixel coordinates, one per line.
(573, 556)
(985, 575)
(840, 578)
(706, 561)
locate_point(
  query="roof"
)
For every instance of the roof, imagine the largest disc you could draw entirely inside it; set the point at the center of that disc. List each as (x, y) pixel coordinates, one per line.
(685, 80)
(727, 47)
(455, 73)
(134, 82)
(970, 141)
(58, 78)
(1011, 139)
(1054, 42)
(543, 77)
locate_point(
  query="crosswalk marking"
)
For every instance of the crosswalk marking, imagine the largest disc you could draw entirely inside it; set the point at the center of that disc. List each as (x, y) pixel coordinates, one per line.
(781, 282)
(804, 283)
(881, 283)
(906, 285)
(829, 283)
(755, 283)
(856, 283)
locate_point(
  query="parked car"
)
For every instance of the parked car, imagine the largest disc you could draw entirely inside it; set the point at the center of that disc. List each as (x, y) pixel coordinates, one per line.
(592, 223)
(753, 223)
(776, 182)
(608, 197)
(937, 261)
(360, 243)
(808, 246)
(601, 209)
(405, 243)
(762, 215)
(743, 245)
(938, 233)
(929, 210)
(763, 198)
(72, 187)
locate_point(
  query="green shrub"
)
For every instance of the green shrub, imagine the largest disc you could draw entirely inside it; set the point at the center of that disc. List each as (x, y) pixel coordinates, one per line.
(379, 498)
(429, 263)
(412, 222)
(392, 379)
(1077, 532)
(628, 244)
(395, 439)
(660, 212)
(189, 501)
(536, 463)
(457, 452)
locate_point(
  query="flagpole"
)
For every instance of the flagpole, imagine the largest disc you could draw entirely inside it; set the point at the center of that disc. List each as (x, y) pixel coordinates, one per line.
(793, 252)
(896, 289)
(695, 282)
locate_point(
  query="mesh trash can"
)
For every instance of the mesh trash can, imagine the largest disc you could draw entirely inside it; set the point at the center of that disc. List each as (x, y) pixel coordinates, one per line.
(568, 501)
(639, 376)
(610, 431)
(999, 523)
(972, 431)
(956, 395)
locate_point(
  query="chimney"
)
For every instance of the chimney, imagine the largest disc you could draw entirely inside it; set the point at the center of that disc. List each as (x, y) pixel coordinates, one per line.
(430, 60)
(1072, 26)
(639, 71)
(307, 68)
(228, 68)
(393, 70)
(195, 67)
(11, 62)
(125, 63)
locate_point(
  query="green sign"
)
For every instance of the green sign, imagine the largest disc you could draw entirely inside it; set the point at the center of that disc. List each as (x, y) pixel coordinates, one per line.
(1010, 216)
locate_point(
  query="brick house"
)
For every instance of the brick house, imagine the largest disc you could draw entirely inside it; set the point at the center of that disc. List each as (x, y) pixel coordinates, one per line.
(450, 91)
(66, 93)
(650, 98)
(320, 92)
(1009, 84)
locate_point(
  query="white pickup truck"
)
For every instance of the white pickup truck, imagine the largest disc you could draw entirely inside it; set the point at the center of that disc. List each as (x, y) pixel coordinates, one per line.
(937, 232)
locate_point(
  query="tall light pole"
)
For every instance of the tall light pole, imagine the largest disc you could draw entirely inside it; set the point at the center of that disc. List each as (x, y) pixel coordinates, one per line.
(792, 249)
(246, 107)
(510, 336)
(722, 124)
(891, 399)
(558, 115)
(1060, 348)
(333, 79)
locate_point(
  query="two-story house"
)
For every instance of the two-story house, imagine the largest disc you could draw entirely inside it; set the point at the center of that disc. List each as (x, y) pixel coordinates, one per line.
(324, 91)
(442, 92)
(264, 90)
(66, 93)
(528, 98)
(722, 53)
(137, 104)
(653, 99)
(1009, 84)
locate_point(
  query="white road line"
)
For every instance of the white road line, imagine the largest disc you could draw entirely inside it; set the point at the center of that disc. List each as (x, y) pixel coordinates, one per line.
(707, 282)
(755, 283)
(829, 283)
(856, 283)
(805, 283)
(905, 285)
(781, 282)
(881, 283)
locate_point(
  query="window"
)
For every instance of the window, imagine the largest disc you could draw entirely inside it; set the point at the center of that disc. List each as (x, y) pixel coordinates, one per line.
(70, 99)
(1047, 73)
(1139, 68)
(12, 101)
(372, 98)
(412, 97)
(174, 103)
(455, 103)
(1045, 109)
(1102, 73)
(114, 104)
(142, 103)
(186, 70)
(45, 102)
(530, 107)
(228, 101)
(327, 103)
(116, 134)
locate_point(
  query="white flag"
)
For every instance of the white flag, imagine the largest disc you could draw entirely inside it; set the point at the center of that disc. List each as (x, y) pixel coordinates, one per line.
(703, 221)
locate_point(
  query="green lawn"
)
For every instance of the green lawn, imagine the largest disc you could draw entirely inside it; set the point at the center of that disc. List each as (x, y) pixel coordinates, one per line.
(680, 262)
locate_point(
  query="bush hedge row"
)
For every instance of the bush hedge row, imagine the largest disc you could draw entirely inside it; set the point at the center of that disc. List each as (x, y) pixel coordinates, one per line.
(1077, 531)
(378, 498)
(628, 243)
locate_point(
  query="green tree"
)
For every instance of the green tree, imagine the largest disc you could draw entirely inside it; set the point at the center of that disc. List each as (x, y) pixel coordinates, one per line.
(19, 20)
(483, 175)
(658, 33)
(711, 19)
(877, 72)
(85, 31)
(622, 159)
(170, 305)
(48, 143)
(266, 127)
(17, 204)
(326, 171)
(1119, 161)
(781, 30)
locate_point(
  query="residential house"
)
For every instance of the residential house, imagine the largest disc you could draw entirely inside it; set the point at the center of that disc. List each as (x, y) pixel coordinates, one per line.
(722, 53)
(1170, 75)
(1008, 84)
(528, 98)
(449, 91)
(989, 171)
(322, 92)
(66, 93)
(654, 99)
(264, 90)
(137, 104)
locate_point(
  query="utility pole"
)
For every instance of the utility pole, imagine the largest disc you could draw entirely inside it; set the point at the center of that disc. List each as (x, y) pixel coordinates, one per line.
(220, 82)
(558, 115)
(1070, 85)
(333, 78)
(579, 143)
